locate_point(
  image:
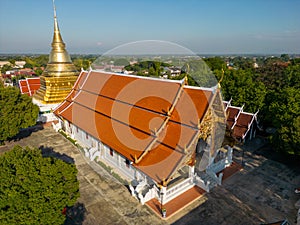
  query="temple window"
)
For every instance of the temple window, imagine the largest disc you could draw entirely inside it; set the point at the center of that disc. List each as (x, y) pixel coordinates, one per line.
(127, 163)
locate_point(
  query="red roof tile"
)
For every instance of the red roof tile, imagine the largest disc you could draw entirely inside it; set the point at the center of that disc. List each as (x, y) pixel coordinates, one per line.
(232, 113)
(238, 121)
(242, 125)
(29, 85)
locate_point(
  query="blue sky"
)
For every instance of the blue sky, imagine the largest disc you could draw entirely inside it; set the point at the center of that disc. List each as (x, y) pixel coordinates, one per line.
(203, 26)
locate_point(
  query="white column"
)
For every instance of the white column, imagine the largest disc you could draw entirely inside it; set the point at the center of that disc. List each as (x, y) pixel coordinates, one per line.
(191, 171)
(119, 160)
(229, 156)
(163, 191)
(72, 130)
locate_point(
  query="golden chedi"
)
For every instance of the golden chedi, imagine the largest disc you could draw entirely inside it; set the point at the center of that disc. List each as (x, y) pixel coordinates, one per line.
(60, 74)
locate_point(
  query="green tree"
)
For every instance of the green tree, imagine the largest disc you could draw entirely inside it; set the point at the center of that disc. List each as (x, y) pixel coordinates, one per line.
(16, 112)
(121, 62)
(285, 57)
(38, 71)
(199, 73)
(34, 189)
(215, 63)
(243, 62)
(41, 60)
(282, 102)
(284, 115)
(152, 72)
(292, 76)
(241, 86)
(287, 137)
(12, 62)
(272, 75)
(82, 64)
(28, 65)
(5, 68)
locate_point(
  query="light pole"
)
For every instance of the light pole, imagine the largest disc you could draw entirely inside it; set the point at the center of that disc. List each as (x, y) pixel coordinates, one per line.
(163, 210)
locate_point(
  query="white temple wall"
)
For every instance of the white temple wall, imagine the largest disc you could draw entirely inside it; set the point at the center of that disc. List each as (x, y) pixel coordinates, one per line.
(82, 137)
(120, 163)
(111, 157)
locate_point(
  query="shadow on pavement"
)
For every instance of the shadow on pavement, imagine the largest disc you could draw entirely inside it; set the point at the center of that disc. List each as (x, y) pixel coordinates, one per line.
(291, 161)
(75, 215)
(26, 132)
(49, 152)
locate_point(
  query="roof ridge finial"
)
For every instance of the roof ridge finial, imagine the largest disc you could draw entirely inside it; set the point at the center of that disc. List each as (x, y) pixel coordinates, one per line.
(219, 83)
(186, 79)
(56, 28)
(54, 8)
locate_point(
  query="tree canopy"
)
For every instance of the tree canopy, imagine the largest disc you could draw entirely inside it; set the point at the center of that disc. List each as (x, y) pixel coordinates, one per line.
(272, 88)
(16, 112)
(35, 189)
(241, 86)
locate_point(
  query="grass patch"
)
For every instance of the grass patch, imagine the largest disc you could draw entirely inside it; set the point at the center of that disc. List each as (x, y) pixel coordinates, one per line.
(73, 141)
(110, 171)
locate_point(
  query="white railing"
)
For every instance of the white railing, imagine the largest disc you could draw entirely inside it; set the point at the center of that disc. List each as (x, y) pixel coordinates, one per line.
(223, 163)
(201, 183)
(147, 197)
(152, 193)
(86, 152)
(178, 189)
(94, 153)
(57, 126)
(217, 179)
(141, 186)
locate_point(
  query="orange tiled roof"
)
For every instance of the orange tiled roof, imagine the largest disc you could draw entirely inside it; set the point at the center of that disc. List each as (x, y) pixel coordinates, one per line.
(151, 122)
(238, 121)
(29, 85)
(242, 124)
(232, 113)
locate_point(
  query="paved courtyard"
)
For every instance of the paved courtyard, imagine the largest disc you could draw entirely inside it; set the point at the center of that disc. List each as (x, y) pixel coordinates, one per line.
(262, 192)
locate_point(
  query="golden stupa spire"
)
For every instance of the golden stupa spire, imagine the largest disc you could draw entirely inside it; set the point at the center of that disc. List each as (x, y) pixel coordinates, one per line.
(57, 39)
(59, 52)
(60, 73)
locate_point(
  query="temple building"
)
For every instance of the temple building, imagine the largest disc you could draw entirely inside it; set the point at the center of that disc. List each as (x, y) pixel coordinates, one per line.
(241, 125)
(163, 136)
(29, 86)
(58, 78)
